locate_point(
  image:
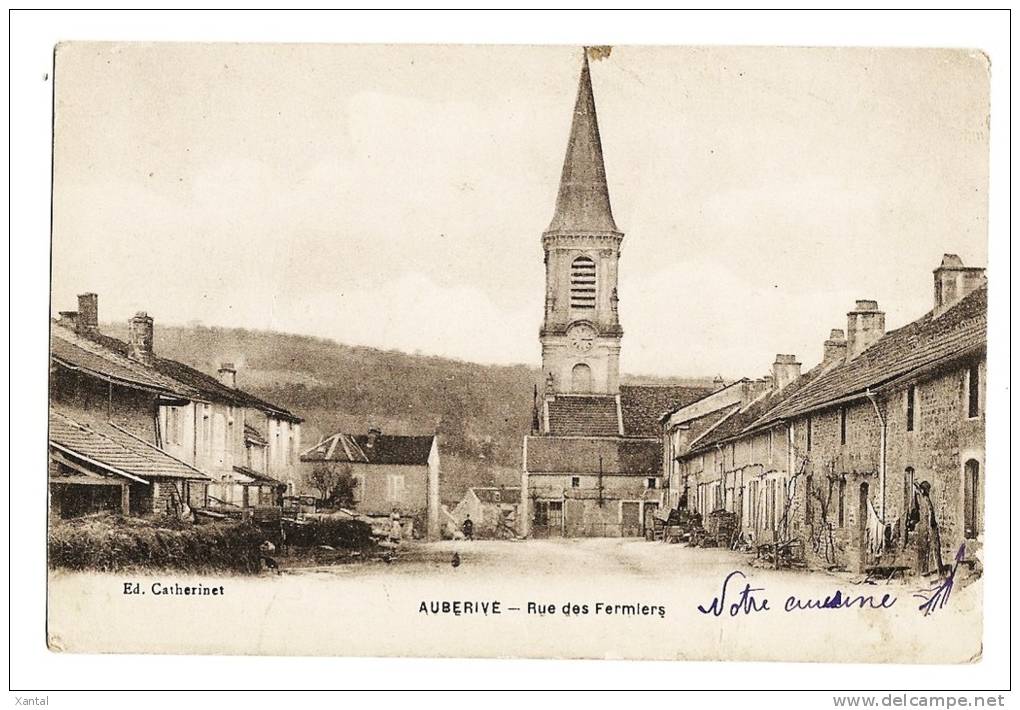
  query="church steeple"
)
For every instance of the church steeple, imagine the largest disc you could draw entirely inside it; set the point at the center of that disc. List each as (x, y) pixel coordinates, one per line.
(581, 332)
(582, 204)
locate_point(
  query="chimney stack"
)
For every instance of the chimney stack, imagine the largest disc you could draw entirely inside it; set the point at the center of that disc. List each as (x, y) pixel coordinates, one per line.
(954, 281)
(88, 313)
(228, 374)
(373, 434)
(785, 369)
(864, 325)
(140, 338)
(69, 319)
(834, 349)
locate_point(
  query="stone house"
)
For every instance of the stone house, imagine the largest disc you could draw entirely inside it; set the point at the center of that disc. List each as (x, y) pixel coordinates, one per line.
(393, 473)
(103, 389)
(493, 511)
(833, 459)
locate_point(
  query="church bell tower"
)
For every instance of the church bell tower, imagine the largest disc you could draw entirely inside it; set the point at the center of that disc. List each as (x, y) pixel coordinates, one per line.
(581, 333)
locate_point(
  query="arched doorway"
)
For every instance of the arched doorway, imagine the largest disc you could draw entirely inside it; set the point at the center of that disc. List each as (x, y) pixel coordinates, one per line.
(580, 378)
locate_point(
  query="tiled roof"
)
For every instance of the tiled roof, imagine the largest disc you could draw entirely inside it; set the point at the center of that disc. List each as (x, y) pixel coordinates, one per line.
(114, 448)
(552, 454)
(106, 356)
(505, 495)
(254, 435)
(259, 476)
(924, 342)
(643, 405)
(740, 420)
(583, 415)
(87, 355)
(701, 428)
(385, 449)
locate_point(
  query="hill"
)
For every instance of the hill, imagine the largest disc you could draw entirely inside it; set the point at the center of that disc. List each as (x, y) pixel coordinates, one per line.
(481, 412)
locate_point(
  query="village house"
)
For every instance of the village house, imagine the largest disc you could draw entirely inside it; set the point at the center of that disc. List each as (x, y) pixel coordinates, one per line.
(172, 437)
(493, 511)
(591, 465)
(393, 474)
(841, 462)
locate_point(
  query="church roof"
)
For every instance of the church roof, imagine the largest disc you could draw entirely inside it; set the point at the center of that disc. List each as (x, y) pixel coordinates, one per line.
(583, 200)
(583, 415)
(553, 454)
(643, 405)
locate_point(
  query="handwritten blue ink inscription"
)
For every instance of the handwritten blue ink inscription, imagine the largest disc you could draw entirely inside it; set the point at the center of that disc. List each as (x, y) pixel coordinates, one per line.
(734, 600)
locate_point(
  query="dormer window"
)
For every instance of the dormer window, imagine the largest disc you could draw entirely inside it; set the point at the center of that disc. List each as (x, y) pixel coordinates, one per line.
(582, 283)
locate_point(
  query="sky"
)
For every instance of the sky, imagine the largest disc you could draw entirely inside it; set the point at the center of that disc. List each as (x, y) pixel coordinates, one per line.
(395, 196)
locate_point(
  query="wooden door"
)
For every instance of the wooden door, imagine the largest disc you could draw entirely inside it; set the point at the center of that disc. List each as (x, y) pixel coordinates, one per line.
(573, 518)
(630, 518)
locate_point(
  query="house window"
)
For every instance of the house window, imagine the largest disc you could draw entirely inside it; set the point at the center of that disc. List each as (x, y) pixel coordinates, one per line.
(908, 491)
(810, 426)
(971, 472)
(358, 494)
(174, 434)
(582, 283)
(207, 428)
(770, 445)
(973, 383)
(651, 483)
(395, 487)
(219, 445)
(842, 425)
(911, 397)
(575, 482)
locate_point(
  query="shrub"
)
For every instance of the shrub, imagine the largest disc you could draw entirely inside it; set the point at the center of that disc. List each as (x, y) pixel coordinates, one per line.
(341, 534)
(113, 543)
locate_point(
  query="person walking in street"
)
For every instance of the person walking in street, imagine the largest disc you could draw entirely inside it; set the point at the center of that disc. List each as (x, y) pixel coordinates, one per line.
(468, 528)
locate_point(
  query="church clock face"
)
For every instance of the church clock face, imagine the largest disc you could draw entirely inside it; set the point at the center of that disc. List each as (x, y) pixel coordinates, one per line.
(581, 337)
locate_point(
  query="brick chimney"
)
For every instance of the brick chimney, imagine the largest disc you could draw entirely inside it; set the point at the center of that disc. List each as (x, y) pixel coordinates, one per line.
(785, 369)
(954, 281)
(834, 349)
(140, 338)
(88, 313)
(864, 325)
(228, 374)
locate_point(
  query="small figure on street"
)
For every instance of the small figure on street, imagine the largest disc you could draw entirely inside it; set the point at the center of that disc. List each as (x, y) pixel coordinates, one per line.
(395, 530)
(468, 528)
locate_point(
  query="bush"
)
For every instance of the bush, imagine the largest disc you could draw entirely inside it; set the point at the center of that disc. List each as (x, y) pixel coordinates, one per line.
(110, 543)
(341, 534)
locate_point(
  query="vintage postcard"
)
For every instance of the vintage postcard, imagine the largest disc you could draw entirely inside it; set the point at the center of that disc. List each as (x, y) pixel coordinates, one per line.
(622, 352)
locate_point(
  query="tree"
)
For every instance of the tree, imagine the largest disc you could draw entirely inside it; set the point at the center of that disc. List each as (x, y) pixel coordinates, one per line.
(342, 495)
(323, 478)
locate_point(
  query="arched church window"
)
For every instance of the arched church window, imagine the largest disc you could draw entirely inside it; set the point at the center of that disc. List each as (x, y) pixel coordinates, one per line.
(582, 283)
(580, 378)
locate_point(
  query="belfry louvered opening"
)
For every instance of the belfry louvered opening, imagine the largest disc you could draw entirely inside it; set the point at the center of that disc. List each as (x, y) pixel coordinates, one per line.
(582, 283)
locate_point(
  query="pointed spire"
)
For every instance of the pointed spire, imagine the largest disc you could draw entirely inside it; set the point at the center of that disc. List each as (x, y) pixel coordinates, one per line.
(583, 201)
